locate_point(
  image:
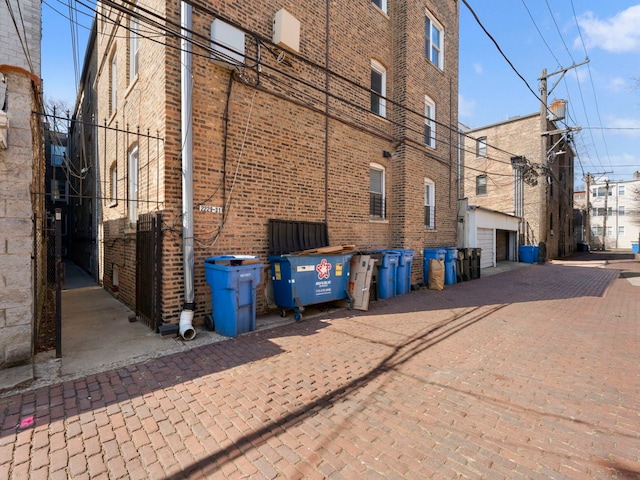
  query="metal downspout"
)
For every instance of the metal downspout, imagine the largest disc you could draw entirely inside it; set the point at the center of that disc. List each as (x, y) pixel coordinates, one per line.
(186, 329)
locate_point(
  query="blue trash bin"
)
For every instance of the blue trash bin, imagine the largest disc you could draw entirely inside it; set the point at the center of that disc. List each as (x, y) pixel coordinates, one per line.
(528, 253)
(429, 254)
(450, 275)
(635, 247)
(403, 277)
(388, 273)
(233, 280)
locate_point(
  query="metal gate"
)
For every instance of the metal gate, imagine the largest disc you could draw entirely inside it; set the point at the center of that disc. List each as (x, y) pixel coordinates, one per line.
(148, 269)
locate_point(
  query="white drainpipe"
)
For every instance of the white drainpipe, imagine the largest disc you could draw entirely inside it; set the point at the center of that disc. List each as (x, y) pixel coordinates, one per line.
(186, 329)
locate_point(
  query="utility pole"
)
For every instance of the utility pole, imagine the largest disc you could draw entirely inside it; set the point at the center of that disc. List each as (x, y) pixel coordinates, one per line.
(544, 134)
(604, 221)
(587, 180)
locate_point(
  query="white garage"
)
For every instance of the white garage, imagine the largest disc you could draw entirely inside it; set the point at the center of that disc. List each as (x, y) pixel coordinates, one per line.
(496, 233)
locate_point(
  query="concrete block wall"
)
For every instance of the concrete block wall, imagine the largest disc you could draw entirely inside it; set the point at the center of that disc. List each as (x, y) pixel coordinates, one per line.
(16, 227)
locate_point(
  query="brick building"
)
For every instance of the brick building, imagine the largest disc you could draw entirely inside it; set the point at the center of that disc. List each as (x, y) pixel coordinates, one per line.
(342, 114)
(505, 171)
(21, 177)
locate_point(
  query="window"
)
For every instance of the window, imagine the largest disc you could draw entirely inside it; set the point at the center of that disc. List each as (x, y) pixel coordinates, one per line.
(381, 4)
(113, 86)
(598, 230)
(620, 190)
(429, 122)
(481, 147)
(113, 180)
(134, 45)
(481, 185)
(57, 155)
(621, 210)
(376, 191)
(609, 231)
(378, 88)
(433, 34)
(599, 192)
(429, 204)
(621, 230)
(133, 185)
(59, 190)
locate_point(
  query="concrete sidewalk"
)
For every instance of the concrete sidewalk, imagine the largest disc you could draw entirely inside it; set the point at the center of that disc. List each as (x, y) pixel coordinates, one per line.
(528, 374)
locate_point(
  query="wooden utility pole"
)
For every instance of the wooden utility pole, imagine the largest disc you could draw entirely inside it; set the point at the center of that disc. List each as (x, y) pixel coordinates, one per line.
(543, 227)
(604, 221)
(587, 180)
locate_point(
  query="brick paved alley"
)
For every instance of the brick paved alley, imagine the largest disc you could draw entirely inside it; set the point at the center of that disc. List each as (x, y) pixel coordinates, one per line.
(531, 373)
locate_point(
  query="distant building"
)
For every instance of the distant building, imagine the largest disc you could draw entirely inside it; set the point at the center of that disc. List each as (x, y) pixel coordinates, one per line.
(614, 213)
(504, 170)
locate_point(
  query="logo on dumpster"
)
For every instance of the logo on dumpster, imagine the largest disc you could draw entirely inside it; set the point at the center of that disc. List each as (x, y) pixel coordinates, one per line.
(324, 269)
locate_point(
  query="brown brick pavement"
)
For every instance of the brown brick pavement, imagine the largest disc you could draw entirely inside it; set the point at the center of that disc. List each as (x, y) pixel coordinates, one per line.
(527, 374)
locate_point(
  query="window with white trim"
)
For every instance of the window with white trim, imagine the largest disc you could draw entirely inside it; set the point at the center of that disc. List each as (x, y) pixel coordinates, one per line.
(134, 45)
(429, 204)
(481, 147)
(377, 198)
(621, 230)
(620, 190)
(481, 185)
(381, 4)
(429, 122)
(132, 192)
(434, 38)
(378, 88)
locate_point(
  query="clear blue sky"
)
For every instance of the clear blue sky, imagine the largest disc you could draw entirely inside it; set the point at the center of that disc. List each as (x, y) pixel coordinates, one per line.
(533, 34)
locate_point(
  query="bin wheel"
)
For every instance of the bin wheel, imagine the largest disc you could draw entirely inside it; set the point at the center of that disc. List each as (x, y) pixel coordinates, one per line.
(208, 323)
(283, 313)
(297, 315)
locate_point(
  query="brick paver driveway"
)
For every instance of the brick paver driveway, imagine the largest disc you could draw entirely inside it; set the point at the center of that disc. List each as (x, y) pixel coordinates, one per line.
(531, 373)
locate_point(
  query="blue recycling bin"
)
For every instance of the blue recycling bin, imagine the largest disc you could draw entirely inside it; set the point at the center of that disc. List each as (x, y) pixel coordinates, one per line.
(451, 255)
(300, 280)
(403, 277)
(431, 254)
(233, 280)
(388, 273)
(528, 253)
(635, 247)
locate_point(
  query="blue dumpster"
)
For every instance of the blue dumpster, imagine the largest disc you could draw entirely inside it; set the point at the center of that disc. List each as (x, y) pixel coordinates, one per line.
(233, 280)
(300, 280)
(451, 256)
(388, 273)
(431, 253)
(528, 253)
(403, 277)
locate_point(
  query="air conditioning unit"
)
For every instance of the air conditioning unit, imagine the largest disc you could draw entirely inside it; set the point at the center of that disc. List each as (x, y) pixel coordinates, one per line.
(286, 31)
(227, 43)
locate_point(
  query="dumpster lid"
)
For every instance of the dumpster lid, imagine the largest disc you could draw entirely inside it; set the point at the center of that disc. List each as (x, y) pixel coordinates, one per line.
(232, 259)
(287, 236)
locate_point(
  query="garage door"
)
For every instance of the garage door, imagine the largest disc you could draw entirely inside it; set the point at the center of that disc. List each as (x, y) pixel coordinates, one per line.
(486, 243)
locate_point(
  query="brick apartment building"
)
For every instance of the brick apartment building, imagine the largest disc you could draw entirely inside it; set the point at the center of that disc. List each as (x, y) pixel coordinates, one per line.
(342, 114)
(505, 171)
(21, 178)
